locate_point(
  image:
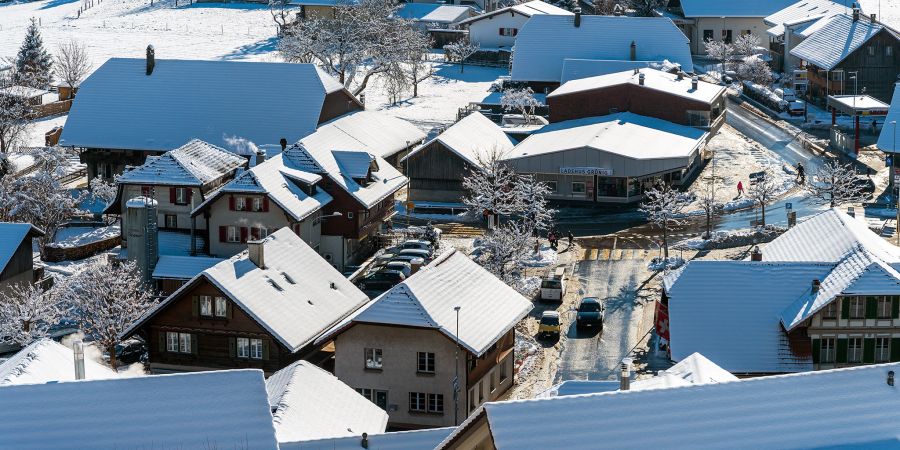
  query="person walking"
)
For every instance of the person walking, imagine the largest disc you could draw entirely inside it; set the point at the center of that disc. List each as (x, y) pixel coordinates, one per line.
(801, 173)
(740, 188)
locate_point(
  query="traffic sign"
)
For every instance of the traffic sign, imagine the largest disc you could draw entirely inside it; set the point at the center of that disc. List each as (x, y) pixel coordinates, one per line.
(789, 205)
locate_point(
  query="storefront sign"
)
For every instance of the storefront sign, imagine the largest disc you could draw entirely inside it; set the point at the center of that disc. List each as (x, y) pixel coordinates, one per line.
(585, 171)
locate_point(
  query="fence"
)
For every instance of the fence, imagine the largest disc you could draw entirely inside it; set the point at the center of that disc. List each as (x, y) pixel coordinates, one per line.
(842, 142)
(51, 109)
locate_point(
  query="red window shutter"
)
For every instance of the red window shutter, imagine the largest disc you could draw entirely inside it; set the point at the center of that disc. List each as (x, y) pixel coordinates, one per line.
(222, 234)
(500, 30)
(172, 195)
(249, 202)
(231, 203)
(265, 204)
(515, 31)
(243, 234)
(254, 233)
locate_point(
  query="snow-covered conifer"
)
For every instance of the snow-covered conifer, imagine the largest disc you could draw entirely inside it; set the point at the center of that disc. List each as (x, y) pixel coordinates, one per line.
(34, 65)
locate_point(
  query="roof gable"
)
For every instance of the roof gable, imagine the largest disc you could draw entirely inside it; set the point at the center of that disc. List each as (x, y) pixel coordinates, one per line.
(539, 57)
(182, 100)
(11, 237)
(45, 361)
(803, 10)
(527, 9)
(193, 164)
(371, 131)
(836, 40)
(652, 79)
(471, 138)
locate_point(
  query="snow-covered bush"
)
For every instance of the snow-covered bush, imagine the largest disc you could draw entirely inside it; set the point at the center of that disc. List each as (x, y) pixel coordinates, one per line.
(27, 312)
(520, 100)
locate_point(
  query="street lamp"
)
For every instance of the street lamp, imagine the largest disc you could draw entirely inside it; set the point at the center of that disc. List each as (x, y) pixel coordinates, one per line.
(456, 376)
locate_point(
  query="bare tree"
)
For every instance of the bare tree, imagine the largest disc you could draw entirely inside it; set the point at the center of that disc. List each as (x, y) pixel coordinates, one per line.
(72, 63)
(719, 51)
(645, 8)
(420, 69)
(102, 191)
(663, 207)
(536, 212)
(754, 69)
(107, 298)
(27, 312)
(746, 44)
(490, 187)
(708, 202)
(605, 7)
(503, 250)
(15, 114)
(763, 192)
(280, 14)
(521, 100)
(460, 51)
(837, 184)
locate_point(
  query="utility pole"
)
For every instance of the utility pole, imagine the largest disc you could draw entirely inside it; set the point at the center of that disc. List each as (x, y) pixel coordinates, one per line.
(456, 377)
(891, 174)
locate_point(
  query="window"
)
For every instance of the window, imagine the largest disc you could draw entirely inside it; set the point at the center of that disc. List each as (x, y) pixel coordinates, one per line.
(257, 204)
(417, 401)
(373, 358)
(471, 400)
(206, 303)
(171, 221)
(256, 349)
(503, 372)
(493, 387)
(707, 35)
(436, 403)
(184, 340)
(243, 347)
(829, 312)
(882, 349)
(746, 32)
(350, 214)
(579, 188)
(172, 342)
(221, 307)
(181, 196)
(240, 204)
(426, 362)
(234, 234)
(147, 191)
(857, 307)
(888, 51)
(854, 350)
(726, 36)
(509, 31)
(827, 350)
(480, 393)
(375, 396)
(837, 75)
(551, 185)
(884, 307)
(871, 50)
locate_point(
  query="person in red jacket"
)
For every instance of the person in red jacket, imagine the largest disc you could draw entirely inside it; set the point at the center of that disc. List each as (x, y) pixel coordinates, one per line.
(740, 188)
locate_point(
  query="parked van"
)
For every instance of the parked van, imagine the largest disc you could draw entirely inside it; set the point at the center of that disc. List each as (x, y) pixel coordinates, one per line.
(786, 94)
(554, 286)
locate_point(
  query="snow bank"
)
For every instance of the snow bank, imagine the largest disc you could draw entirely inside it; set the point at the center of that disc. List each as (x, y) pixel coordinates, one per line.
(673, 262)
(544, 258)
(733, 238)
(526, 354)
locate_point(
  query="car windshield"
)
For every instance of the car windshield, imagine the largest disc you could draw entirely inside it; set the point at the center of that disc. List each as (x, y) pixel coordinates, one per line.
(549, 320)
(589, 307)
(551, 284)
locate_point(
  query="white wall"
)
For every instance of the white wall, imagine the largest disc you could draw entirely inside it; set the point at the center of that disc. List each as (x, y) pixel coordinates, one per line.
(272, 220)
(486, 32)
(737, 26)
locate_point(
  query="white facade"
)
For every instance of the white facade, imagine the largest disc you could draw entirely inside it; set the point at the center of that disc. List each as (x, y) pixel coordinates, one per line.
(723, 27)
(497, 31)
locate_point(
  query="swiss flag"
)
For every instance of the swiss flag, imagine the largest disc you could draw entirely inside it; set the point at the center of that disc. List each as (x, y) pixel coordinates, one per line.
(662, 321)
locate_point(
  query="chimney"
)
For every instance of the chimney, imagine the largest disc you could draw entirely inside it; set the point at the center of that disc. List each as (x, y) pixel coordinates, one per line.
(256, 252)
(577, 16)
(815, 285)
(151, 59)
(633, 51)
(362, 98)
(873, 17)
(641, 79)
(637, 71)
(283, 143)
(855, 13)
(365, 441)
(625, 376)
(261, 156)
(694, 82)
(78, 350)
(680, 76)
(756, 255)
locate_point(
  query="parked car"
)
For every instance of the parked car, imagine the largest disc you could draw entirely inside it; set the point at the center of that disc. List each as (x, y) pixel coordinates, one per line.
(589, 313)
(796, 107)
(413, 260)
(549, 324)
(129, 352)
(515, 120)
(786, 94)
(381, 280)
(418, 244)
(554, 286)
(400, 266)
(424, 254)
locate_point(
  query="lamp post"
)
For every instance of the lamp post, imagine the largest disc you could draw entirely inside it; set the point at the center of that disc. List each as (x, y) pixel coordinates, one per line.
(891, 174)
(456, 376)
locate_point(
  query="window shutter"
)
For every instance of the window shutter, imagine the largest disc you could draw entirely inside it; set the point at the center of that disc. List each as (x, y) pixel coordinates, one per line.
(243, 234)
(869, 350)
(845, 308)
(193, 344)
(842, 350)
(228, 309)
(231, 203)
(222, 236)
(895, 307)
(195, 306)
(871, 307)
(248, 204)
(500, 30)
(265, 204)
(265, 349)
(895, 349)
(232, 347)
(815, 350)
(254, 233)
(162, 342)
(172, 195)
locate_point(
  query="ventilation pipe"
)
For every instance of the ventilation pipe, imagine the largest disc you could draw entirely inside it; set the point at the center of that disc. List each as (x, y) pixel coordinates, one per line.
(633, 53)
(625, 375)
(815, 285)
(78, 351)
(694, 82)
(364, 443)
(855, 13)
(756, 254)
(641, 79)
(577, 16)
(283, 143)
(873, 17)
(151, 59)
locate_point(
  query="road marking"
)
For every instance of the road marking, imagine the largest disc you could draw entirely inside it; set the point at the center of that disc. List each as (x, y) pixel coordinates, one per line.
(617, 255)
(591, 255)
(584, 253)
(604, 254)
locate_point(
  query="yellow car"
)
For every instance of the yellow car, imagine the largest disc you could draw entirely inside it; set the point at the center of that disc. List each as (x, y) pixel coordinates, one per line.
(549, 325)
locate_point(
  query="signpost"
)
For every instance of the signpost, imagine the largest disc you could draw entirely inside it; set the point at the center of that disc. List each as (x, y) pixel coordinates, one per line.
(586, 171)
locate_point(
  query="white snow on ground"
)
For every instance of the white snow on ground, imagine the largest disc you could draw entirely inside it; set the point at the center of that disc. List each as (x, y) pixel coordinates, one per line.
(672, 263)
(37, 128)
(526, 354)
(544, 258)
(76, 236)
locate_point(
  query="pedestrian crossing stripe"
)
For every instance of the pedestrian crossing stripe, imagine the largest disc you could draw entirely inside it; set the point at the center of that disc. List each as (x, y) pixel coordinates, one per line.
(592, 254)
(605, 254)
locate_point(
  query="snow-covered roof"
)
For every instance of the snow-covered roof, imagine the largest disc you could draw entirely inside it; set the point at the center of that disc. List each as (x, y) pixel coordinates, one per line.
(296, 297)
(322, 151)
(796, 411)
(427, 298)
(434, 13)
(539, 55)
(829, 237)
(858, 102)
(309, 403)
(625, 134)
(574, 68)
(836, 40)
(735, 323)
(194, 410)
(888, 140)
(720, 8)
(397, 440)
(172, 267)
(23, 91)
(580, 387)
(804, 10)
(370, 131)
(698, 369)
(653, 79)
(472, 137)
(527, 9)
(187, 99)
(11, 237)
(277, 178)
(45, 361)
(193, 164)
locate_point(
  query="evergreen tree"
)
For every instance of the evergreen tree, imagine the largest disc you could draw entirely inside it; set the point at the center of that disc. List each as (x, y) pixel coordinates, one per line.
(33, 63)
